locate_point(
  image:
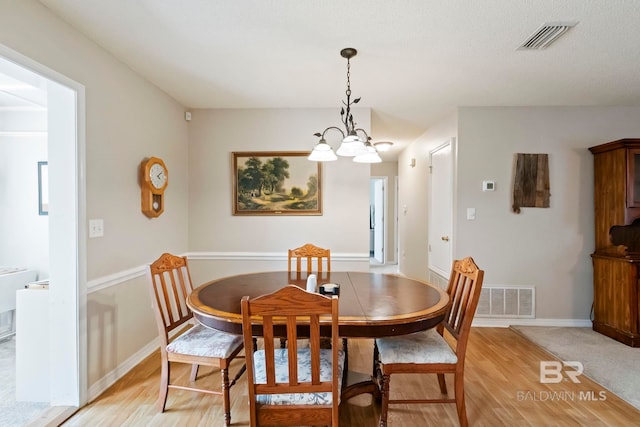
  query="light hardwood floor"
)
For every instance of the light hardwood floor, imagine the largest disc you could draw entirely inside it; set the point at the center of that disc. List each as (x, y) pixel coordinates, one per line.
(501, 382)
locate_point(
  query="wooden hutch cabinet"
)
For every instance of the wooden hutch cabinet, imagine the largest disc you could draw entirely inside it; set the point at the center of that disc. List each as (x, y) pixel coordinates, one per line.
(616, 274)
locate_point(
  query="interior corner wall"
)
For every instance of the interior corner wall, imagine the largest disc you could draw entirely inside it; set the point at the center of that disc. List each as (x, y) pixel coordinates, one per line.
(548, 248)
(215, 133)
(413, 197)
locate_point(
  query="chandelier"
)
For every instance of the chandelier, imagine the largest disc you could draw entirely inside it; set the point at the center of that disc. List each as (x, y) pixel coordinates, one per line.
(356, 142)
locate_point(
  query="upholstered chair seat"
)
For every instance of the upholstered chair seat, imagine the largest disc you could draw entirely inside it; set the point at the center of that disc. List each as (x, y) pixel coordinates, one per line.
(205, 342)
(422, 347)
(304, 375)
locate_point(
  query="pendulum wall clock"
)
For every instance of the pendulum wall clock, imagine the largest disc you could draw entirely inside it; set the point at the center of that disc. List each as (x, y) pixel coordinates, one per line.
(154, 178)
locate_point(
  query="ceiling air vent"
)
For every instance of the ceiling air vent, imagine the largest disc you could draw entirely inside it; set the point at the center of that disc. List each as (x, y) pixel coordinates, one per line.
(546, 34)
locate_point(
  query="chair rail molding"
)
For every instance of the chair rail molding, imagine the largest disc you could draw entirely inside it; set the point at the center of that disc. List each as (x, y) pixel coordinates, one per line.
(270, 256)
(120, 277)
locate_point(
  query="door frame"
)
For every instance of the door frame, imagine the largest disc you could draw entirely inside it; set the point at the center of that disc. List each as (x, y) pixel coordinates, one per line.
(381, 206)
(67, 236)
(451, 142)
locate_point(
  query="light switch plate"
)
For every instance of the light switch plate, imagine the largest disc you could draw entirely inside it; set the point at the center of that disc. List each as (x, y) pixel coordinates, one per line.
(471, 214)
(488, 186)
(96, 228)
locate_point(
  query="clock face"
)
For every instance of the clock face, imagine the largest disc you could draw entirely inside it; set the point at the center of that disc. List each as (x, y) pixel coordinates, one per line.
(157, 175)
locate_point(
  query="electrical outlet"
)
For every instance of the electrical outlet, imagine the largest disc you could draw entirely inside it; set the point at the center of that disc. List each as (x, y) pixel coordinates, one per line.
(96, 228)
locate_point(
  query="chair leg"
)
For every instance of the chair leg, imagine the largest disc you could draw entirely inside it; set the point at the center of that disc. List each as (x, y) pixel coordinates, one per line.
(164, 385)
(443, 384)
(224, 373)
(235, 379)
(386, 379)
(459, 393)
(376, 358)
(345, 348)
(194, 372)
(377, 373)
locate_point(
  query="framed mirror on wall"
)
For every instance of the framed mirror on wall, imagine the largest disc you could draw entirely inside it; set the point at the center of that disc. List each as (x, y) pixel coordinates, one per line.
(43, 188)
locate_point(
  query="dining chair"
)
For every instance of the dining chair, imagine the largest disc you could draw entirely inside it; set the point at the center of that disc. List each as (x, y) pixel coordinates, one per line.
(429, 351)
(309, 253)
(170, 284)
(293, 386)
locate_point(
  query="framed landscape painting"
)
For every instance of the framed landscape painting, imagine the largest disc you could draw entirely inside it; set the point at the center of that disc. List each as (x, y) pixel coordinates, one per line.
(276, 183)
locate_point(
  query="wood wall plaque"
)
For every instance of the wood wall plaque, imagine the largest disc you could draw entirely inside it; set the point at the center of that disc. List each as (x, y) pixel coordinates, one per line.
(531, 182)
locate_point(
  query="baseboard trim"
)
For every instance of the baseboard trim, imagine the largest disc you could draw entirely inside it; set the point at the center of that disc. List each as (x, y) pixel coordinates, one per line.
(114, 375)
(53, 416)
(507, 322)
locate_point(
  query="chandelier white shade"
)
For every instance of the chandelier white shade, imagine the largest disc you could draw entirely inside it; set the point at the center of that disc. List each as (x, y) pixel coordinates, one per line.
(383, 146)
(370, 155)
(322, 152)
(355, 141)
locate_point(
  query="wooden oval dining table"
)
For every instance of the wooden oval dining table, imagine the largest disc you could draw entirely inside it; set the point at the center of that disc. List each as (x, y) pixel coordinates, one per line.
(371, 305)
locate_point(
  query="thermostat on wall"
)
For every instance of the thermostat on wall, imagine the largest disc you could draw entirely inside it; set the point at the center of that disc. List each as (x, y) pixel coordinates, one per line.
(488, 186)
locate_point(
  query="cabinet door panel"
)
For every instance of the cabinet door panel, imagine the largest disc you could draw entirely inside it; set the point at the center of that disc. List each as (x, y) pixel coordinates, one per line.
(633, 178)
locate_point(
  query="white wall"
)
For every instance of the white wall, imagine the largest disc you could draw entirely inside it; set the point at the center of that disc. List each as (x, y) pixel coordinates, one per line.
(546, 248)
(25, 238)
(127, 119)
(214, 134)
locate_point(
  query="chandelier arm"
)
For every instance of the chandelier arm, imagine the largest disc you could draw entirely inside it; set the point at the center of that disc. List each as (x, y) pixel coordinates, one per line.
(368, 138)
(333, 127)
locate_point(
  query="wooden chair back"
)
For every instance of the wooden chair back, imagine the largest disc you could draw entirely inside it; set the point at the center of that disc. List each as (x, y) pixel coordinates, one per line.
(171, 284)
(465, 285)
(308, 253)
(290, 306)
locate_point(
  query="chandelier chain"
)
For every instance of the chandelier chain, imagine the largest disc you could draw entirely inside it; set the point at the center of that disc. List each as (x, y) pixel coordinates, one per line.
(348, 92)
(348, 118)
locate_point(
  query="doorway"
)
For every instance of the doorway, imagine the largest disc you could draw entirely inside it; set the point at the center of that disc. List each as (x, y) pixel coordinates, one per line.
(377, 220)
(441, 209)
(66, 235)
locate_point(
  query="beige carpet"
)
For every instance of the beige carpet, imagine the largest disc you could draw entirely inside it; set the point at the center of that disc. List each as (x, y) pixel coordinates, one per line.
(611, 364)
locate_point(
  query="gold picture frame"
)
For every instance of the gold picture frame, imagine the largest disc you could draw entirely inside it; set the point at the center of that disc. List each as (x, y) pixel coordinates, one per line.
(276, 183)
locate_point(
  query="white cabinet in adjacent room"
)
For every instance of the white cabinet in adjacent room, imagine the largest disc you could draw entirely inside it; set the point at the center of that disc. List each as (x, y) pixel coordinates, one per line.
(32, 345)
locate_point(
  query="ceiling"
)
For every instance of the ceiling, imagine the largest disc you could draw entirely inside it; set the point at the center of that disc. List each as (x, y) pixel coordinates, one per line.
(417, 59)
(20, 89)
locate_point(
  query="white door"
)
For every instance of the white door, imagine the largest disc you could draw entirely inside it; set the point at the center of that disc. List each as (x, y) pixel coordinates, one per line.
(378, 219)
(441, 210)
